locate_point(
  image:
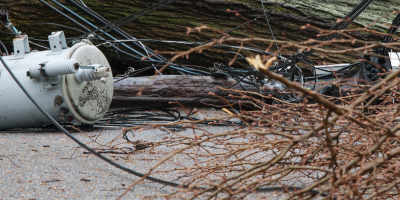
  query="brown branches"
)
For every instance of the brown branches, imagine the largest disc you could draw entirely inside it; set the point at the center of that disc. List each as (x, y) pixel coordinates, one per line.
(339, 148)
(298, 149)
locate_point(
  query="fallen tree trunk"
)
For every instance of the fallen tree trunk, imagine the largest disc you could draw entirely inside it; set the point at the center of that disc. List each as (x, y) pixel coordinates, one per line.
(152, 20)
(164, 89)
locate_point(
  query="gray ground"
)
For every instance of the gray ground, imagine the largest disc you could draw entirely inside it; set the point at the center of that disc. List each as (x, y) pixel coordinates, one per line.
(35, 165)
(51, 166)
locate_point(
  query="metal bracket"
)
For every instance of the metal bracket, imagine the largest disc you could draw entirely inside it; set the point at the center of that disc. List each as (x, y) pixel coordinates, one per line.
(21, 45)
(57, 41)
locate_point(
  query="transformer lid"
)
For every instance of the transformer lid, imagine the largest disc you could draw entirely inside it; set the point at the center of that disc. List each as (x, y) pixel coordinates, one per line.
(88, 101)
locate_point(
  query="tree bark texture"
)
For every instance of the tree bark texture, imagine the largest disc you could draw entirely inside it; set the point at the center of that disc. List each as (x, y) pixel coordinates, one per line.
(169, 21)
(178, 88)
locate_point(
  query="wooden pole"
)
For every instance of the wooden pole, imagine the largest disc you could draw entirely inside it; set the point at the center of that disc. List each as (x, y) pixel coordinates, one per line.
(175, 88)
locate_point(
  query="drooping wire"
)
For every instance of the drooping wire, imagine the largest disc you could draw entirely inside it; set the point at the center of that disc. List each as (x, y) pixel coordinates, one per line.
(352, 15)
(119, 166)
(84, 27)
(83, 145)
(4, 48)
(149, 52)
(172, 65)
(62, 26)
(267, 19)
(90, 24)
(83, 3)
(186, 43)
(114, 28)
(68, 17)
(134, 16)
(152, 59)
(38, 45)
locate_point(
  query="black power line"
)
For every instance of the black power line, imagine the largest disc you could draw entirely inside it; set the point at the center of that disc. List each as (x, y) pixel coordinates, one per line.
(76, 140)
(352, 15)
(123, 168)
(114, 28)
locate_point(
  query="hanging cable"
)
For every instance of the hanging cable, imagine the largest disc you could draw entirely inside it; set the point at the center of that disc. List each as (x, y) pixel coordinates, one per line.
(116, 29)
(352, 15)
(95, 27)
(134, 16)
(88, 30)
(187, 43)
(4, 48)
(62, 26)
(68, 134)
(266, 16)
(149, 52)
(123, 168)
(83, 3)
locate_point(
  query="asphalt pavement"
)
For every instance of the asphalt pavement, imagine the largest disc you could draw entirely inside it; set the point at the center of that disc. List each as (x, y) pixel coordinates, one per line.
(36, 165)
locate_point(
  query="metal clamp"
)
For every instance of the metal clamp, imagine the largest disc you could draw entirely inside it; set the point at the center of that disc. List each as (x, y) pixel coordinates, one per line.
(57, 41)
(21, 45)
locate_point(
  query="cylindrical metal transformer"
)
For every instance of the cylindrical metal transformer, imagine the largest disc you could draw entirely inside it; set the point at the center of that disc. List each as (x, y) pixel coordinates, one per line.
(51, 78)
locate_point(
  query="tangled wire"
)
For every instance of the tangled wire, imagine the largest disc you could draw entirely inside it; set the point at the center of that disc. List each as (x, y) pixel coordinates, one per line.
(343, 147)
(342, 150)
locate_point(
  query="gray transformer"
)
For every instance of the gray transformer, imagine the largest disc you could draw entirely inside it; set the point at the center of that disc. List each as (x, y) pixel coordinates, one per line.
(74, 85)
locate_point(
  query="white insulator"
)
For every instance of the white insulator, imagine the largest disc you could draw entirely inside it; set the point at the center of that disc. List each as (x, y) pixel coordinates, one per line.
(54, 68)
(36, 72)
(61, 67)
(92, 73)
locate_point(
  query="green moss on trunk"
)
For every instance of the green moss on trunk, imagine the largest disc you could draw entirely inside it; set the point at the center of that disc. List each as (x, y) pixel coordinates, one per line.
(170, 21)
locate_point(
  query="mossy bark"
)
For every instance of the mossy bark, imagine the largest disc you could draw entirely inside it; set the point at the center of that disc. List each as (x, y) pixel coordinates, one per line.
(170, 21)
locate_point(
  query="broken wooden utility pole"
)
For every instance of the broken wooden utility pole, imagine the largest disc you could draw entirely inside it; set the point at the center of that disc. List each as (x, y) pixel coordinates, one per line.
(180, 88)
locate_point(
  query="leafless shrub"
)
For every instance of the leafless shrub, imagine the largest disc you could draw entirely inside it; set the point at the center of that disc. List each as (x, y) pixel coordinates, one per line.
(338, 148)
